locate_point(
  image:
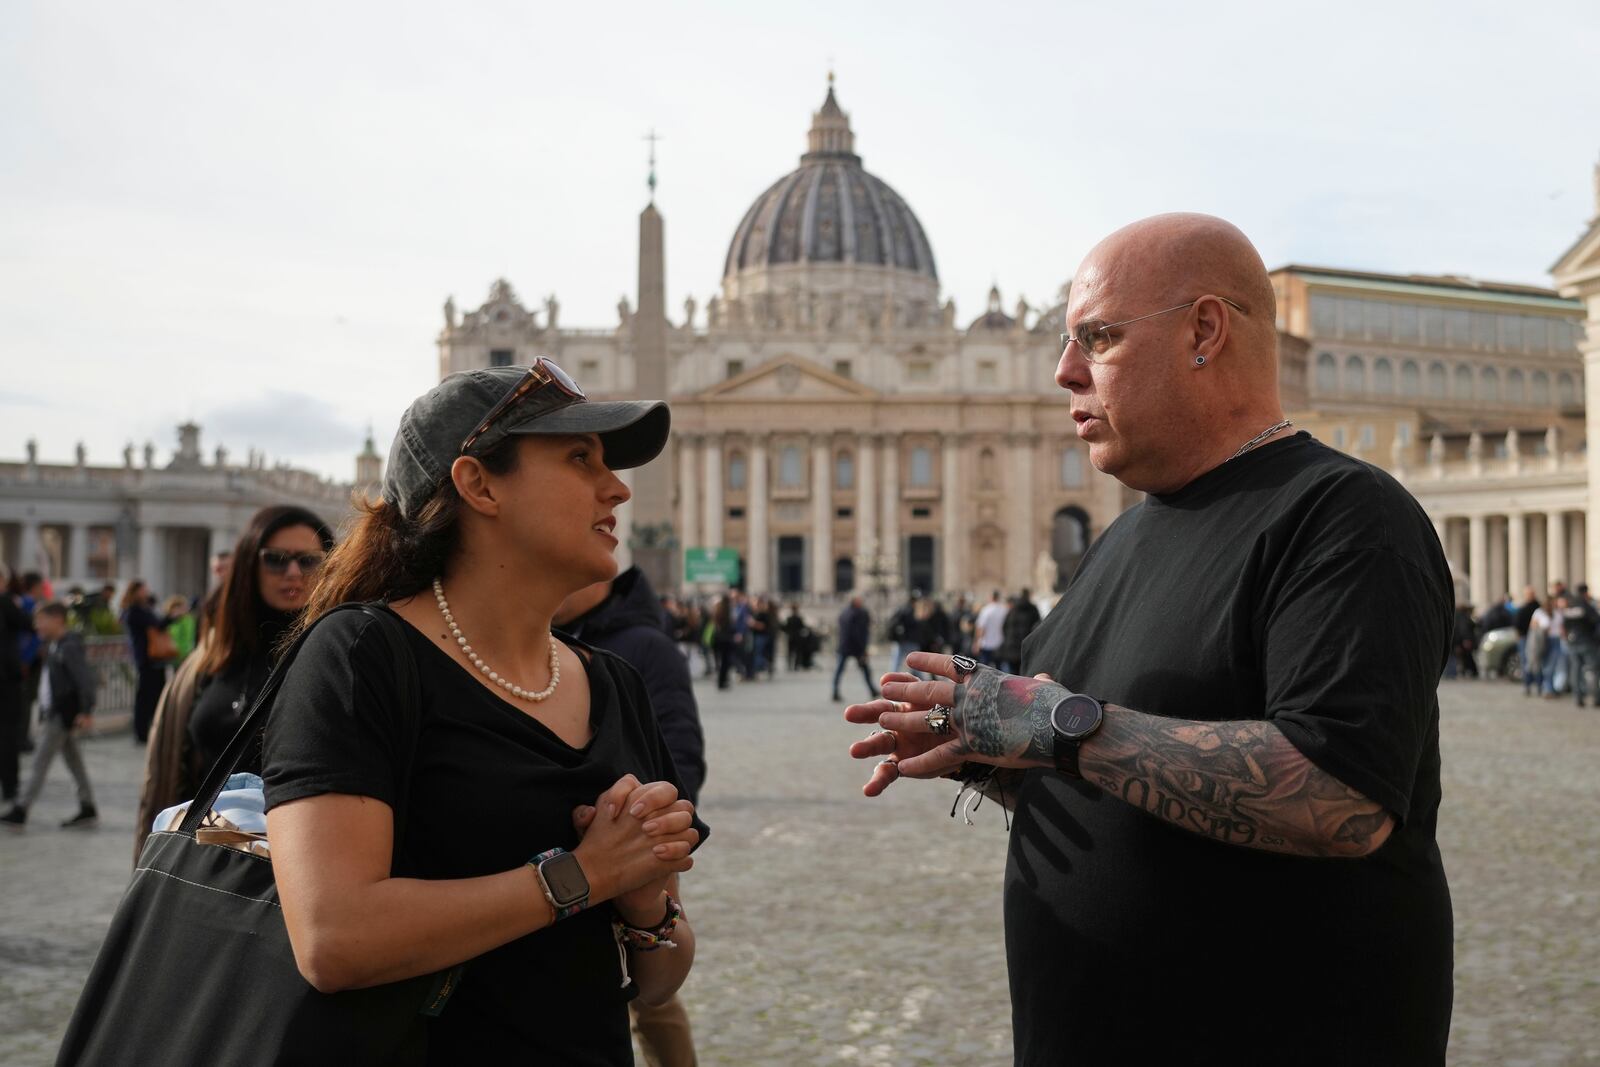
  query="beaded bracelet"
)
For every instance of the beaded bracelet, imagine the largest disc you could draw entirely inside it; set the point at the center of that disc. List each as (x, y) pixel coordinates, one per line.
(649, 939)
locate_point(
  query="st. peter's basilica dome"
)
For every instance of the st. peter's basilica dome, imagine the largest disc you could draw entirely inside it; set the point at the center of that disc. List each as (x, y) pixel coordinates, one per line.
(830, 212)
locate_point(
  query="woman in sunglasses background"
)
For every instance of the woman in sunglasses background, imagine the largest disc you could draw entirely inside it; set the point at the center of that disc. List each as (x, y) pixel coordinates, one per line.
(266, 588)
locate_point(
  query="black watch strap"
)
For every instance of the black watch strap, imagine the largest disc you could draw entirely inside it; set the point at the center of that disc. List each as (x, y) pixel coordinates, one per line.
(1073, 721)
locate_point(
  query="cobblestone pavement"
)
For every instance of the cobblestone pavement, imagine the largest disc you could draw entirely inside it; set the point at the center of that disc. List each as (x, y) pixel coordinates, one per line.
(836, 930)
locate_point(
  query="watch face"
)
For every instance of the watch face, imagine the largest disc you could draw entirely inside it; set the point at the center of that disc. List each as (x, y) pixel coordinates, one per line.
(564, 875)
(1076, 717)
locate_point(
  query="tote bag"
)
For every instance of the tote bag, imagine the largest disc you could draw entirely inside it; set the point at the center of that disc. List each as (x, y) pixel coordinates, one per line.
(197, 967)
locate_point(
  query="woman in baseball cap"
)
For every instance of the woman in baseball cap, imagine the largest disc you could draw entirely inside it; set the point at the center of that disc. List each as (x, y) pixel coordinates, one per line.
(542, 827)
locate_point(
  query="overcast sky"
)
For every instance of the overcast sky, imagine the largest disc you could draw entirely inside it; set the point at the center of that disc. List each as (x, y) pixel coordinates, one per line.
(250, 215)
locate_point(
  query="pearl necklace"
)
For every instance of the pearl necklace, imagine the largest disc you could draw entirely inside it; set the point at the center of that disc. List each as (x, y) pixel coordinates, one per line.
(483, 668)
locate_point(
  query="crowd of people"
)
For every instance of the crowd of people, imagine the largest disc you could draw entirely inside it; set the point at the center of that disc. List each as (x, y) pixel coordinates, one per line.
(49, 688)
(1558, 640)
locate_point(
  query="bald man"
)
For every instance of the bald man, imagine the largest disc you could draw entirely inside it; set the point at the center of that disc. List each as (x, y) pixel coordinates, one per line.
(1225, 800)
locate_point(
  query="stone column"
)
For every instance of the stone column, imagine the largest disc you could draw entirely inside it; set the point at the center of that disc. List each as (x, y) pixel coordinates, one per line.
(1578, 537)
(152, 558)
(758, 557)
(889, 521)
(952, 499)
(78, 551)
(1516, 553)
(821, 516)
(866, 504)
(1478, 561)
(1019, 535)
(29, 548)
(688, 511)
(1555, 546)
(711, 533)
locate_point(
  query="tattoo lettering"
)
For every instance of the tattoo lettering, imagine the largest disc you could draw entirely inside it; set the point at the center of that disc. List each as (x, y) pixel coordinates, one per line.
(1241, 783)
(1005, 717)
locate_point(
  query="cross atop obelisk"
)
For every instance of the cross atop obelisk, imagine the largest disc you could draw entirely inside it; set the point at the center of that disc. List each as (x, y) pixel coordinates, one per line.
(652, 137)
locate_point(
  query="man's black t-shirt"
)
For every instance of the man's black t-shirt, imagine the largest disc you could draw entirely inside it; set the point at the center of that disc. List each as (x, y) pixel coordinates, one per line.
(491, 787)
(1295, 585)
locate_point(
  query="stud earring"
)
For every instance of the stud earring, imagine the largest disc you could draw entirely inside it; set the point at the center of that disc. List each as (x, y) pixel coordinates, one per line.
(1199, 361)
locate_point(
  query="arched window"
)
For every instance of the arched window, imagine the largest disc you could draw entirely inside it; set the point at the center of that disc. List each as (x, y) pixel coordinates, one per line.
(922, 466)
(1437, 380)
(1566, 390)
(844, 575)
(1327, 373)
(1071, 468)
(738, 471)
(1383, 378)
(1541, 388)
(1516, 388)
(844, 471)
(1410, 379)
(1463, 386)
(1489, 384)
(791, 467)
(1355, 375)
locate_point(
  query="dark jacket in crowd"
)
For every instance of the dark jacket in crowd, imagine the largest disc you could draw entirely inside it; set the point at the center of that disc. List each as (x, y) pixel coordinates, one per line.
(14, 627)
(1524, 617)
(631, 623)
(1496, 618)
(72, 681)
(1581, 622)
(1019, 623)
(855, 626)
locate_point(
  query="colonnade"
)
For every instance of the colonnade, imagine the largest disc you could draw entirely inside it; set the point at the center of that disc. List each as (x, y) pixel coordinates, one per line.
(1504, 551)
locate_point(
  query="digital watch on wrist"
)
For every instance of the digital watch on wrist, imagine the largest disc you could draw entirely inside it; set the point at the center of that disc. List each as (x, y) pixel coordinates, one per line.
(561, 877)
(1074, 720)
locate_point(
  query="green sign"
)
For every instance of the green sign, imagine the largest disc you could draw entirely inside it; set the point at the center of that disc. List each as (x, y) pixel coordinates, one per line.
(711, 566)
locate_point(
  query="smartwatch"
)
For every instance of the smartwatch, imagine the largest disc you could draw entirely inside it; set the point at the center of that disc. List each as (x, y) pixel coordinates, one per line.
(1074, 720)
(565, 885)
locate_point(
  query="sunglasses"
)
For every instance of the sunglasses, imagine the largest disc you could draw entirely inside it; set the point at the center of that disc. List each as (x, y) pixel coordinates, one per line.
(277, 561)
(547, 384)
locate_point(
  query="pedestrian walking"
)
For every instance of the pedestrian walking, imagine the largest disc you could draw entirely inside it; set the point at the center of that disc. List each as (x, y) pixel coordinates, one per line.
(16, 635)
(544, 823)
(1580, 622)
(1021, 619)
(1534, 655)
(855, 632)
(152, 651)
(1555, 645)
(1244, 707)
(211, 692)
(66, 705)
(989, 630)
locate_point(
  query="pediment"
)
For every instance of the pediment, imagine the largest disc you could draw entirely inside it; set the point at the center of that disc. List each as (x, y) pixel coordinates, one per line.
(789, 378)
(1580, 262)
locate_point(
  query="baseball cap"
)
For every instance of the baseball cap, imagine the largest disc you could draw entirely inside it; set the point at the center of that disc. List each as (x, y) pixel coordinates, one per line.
(633, 432)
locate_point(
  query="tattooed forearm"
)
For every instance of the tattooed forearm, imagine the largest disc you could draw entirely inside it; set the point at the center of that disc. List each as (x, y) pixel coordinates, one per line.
(1003, 717)
(1242, 783)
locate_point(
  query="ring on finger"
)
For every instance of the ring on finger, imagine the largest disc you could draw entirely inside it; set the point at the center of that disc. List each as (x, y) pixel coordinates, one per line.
(963, 666)
(938, 718)
(892, 763)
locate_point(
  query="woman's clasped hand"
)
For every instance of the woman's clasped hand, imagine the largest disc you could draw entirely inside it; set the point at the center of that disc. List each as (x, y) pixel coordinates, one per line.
(636, 836)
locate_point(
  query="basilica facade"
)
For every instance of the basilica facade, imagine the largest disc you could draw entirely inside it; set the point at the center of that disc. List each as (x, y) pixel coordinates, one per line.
(842, 430)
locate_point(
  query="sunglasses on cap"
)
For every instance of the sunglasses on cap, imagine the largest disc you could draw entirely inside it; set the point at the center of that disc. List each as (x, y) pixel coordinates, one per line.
(277, 561)
(545, 384)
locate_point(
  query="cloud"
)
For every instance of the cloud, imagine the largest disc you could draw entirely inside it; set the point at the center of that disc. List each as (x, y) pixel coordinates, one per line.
(283, 423)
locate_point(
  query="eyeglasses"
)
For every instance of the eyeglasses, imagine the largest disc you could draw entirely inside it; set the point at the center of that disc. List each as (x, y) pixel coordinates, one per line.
(542, 375)
(1095, 340)
(277, 561)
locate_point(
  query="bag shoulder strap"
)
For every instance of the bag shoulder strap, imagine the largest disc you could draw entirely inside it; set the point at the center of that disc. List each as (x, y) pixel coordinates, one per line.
(255, 722)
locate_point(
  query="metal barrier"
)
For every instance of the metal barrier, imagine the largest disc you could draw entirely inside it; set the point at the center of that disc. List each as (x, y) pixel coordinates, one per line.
(115, 674)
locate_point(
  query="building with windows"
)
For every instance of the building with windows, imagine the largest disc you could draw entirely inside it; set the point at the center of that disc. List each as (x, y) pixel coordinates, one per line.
(86, 524)
(841, 429)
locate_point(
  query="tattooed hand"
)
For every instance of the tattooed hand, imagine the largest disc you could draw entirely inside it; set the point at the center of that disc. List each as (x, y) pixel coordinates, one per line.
(995, 718)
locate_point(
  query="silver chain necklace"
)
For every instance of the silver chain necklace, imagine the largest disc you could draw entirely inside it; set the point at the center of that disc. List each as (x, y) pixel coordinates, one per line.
(1258, 438)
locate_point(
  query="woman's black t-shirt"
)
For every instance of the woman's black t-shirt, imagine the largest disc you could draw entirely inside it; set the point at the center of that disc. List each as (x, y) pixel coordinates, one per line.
(490, 788)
